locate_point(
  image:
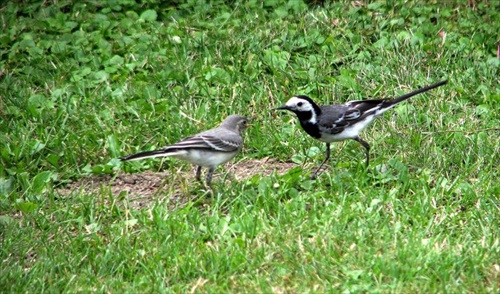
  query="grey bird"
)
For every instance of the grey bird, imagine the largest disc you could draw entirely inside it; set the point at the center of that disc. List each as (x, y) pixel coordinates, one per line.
(332, 123)
(207, 149)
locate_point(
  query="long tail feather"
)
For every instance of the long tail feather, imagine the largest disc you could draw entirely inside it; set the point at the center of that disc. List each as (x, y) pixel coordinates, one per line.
(148, 154)
(416, 92)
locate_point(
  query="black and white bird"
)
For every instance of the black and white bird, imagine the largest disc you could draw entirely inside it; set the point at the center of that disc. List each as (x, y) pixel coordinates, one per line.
(207, 149)
(332, 123)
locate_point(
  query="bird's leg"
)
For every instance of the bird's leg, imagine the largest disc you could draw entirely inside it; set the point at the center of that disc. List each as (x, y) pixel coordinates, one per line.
(367, 147)
(210, 173)
(198, 173)
(313, 176)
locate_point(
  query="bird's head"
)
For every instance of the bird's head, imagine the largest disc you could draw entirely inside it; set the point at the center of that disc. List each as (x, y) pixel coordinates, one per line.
(298, 104)
(303, 106)
(238, 122)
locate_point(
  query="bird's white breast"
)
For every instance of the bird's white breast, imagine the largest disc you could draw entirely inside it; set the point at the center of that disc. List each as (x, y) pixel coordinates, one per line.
(204, 158)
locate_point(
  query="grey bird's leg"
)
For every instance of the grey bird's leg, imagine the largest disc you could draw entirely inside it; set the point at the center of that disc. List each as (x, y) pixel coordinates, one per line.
(198, 173)
(367, 147)
(210, 173)
(313, 176)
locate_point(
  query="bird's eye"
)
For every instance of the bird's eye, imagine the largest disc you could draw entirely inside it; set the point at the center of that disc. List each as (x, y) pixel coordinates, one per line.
(300, 104)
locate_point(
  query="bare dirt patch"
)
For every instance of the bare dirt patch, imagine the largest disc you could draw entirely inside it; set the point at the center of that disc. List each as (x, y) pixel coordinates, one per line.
(145, 188)
(266, 166)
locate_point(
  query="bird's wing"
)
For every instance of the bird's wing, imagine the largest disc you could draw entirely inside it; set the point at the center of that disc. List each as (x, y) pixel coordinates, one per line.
(366, 107)
(212, 140)
(335, 118)
(207, 141)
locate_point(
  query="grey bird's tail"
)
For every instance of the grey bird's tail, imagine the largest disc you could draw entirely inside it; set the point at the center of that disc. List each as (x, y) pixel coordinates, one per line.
(416, 92)
(148, 154)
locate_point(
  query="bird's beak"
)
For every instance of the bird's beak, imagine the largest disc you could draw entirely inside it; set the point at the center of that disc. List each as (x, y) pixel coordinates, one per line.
(284, 107)
(250, 121)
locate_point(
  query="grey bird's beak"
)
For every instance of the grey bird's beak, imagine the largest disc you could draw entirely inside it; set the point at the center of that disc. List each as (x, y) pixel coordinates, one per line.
(250, 121)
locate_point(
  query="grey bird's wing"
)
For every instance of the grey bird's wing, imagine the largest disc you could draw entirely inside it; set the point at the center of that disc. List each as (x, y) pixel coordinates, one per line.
(216, 140)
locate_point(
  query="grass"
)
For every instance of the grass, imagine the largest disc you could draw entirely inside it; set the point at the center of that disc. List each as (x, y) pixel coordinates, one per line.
(84, 83)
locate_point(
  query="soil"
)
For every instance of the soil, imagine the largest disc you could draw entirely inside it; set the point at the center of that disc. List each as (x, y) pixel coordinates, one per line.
(145, 188)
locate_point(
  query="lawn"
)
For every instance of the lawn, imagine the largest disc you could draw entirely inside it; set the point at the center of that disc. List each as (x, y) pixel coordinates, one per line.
(83, 83)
